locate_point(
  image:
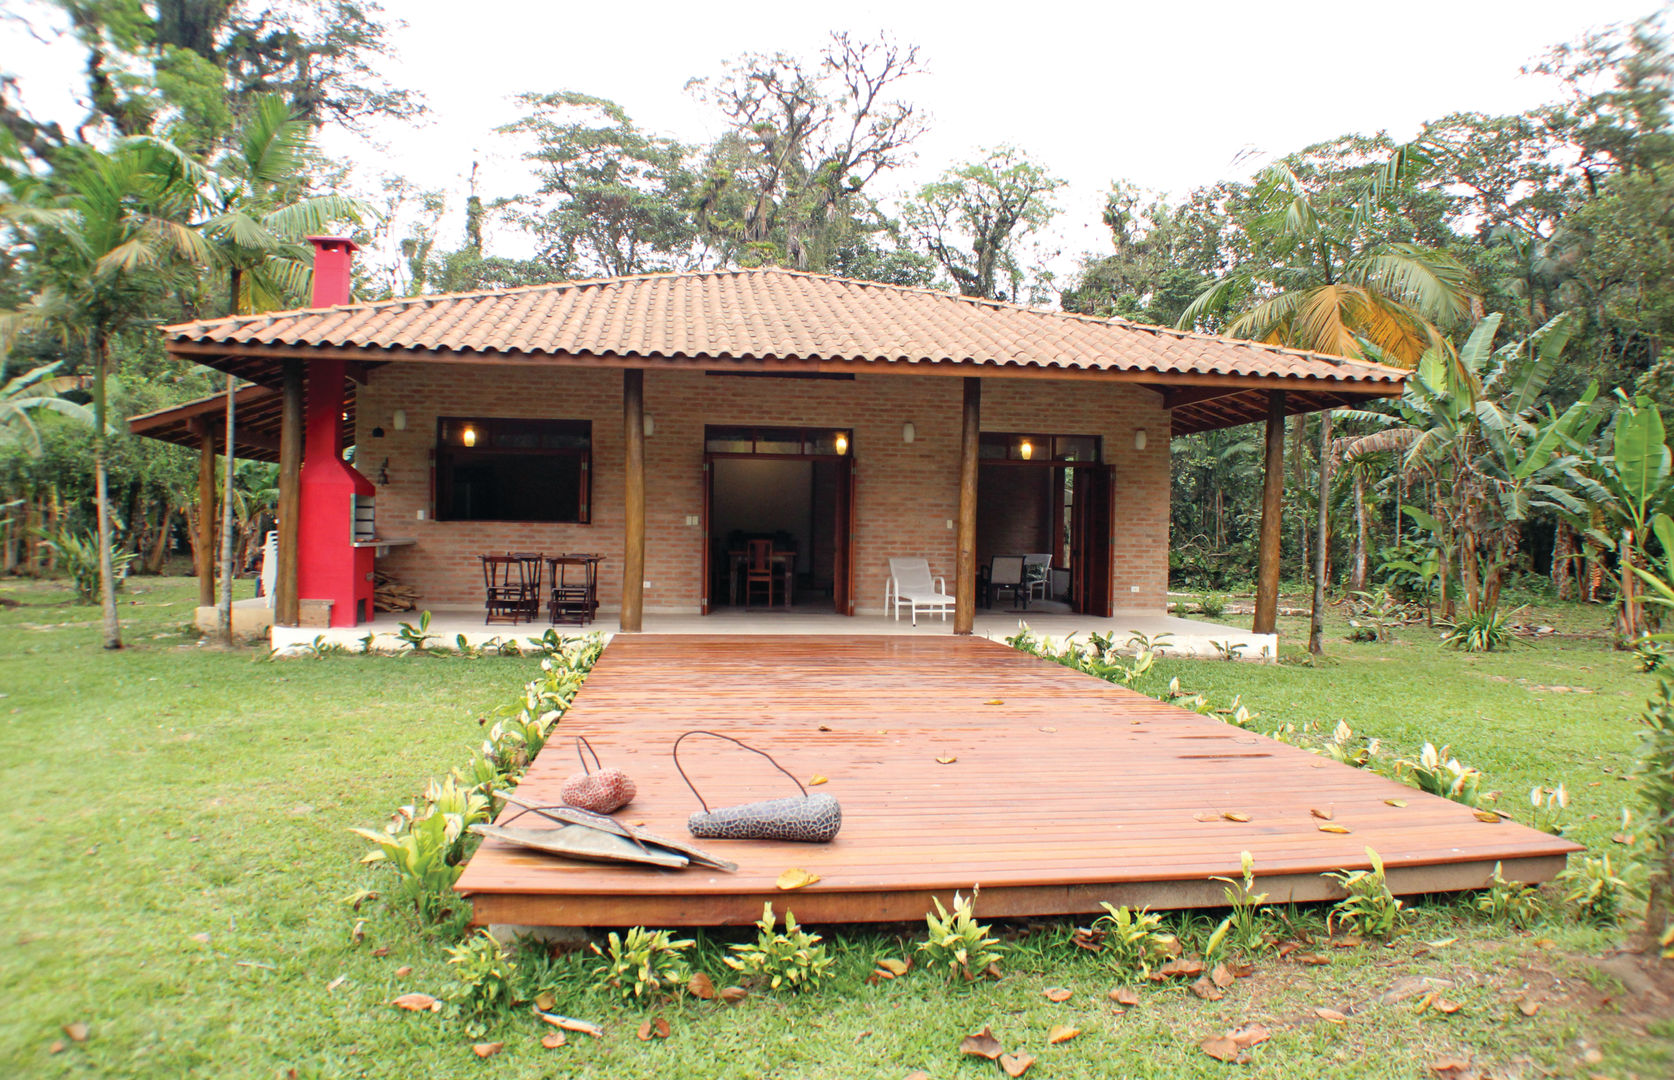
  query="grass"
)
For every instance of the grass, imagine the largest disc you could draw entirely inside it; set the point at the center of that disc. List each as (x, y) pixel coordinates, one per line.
(177, 851)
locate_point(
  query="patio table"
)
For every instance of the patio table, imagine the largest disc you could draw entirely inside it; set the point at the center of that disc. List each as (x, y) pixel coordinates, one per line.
(573, 601)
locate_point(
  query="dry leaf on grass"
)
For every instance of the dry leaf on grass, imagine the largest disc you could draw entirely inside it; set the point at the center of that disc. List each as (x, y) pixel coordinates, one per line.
(1234, 815)
(77, 1031)
(1015, 1064)
(655, 1028)
(732, 995)
(484, 1050)
(417, 1003)
(701, 986)
(1449, 1066)
(1347, 943)
(335, 983)
(1222, 1048)
(796, 878)
(1249, 1035)
(1527, 1007)
(1180, 967)
(546, 1001)
(570, 1024)
(202, 939)
(1207, 990)
(403, 971)
(1061, 1033)
(1314, 959)
(1241, 970)
(1446, 1006)
(949, 760)
(358, 934)
(918, 1074)
(895, 967)
(552, 1040)
(381, 951)
(1122, 995)
(1058, 994)
(981, 1044)
(1324, 815)
(1332, 827)
(1221, 976)
(1331, 1014)
(57, 1047)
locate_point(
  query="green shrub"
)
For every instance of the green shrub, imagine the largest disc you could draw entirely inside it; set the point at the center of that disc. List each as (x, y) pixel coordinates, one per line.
(1243, 928)
(1595, 890)
(1510, 901)
(1484, 631)
(645, 964)
(78, 556)
(1369, 909)
(1128, 941)
(793, 959)
(485, 980)
(1213, 606)
(1440, 774)
(958, 942)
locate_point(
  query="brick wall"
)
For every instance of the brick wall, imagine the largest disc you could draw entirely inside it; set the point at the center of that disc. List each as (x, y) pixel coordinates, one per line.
(906, 493)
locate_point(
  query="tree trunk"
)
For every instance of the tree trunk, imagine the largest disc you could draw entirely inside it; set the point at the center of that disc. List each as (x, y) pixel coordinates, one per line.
(1359, 566)
(107, 572)
(1316, 627)
(227, 516)
(1563, 561)
(160, 547)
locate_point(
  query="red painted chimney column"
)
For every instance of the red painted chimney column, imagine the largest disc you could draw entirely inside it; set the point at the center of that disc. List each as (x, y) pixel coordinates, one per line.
(329, 566)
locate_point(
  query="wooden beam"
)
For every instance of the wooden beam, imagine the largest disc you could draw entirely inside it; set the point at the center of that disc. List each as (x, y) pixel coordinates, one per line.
(1272, 506)
(1174, 397)
(633, 488)
(286, 609)
(206, 512)
(964, 591)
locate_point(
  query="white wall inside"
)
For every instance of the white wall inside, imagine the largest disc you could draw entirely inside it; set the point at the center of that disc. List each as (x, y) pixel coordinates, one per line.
(763, 496)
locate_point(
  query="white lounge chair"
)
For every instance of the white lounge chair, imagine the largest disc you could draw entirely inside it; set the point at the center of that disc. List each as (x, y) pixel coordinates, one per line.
(1037, 575)
(911, 586)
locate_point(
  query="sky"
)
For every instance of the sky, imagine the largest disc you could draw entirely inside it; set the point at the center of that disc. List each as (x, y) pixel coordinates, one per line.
(1167, 95)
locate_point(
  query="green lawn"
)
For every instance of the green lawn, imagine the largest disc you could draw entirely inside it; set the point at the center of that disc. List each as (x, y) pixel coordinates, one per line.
(177, 849)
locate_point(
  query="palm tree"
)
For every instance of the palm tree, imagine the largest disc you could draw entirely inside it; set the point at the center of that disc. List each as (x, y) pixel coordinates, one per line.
(34, 391)
(102, 260)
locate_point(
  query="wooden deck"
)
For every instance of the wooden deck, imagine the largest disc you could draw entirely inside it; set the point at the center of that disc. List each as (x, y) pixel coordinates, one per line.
(1065, 791)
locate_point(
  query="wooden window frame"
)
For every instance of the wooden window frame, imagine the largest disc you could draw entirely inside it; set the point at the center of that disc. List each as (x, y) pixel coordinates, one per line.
(444, 457)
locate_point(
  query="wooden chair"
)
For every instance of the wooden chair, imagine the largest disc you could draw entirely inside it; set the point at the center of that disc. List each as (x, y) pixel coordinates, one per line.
(531, 561)
(505, 595)
(758, 570)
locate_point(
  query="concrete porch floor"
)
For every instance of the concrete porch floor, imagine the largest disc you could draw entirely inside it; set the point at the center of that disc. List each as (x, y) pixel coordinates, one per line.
(1185, 637)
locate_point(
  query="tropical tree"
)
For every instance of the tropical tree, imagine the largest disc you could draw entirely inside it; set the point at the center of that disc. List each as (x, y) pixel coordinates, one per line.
(973, 218)
(100, 266)
(37, 390)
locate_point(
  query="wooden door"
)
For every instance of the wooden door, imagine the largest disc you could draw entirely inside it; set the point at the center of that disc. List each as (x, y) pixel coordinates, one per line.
(707, 578)
(842, 558)
(1092, 540)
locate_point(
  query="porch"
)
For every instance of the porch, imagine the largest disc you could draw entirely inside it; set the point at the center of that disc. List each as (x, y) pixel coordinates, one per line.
(962, 763)
(1168, 633)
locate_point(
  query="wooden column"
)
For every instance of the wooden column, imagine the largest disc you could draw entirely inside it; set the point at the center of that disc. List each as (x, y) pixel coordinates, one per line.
(206, 513)
(1272, 506)
(286, 610)
(633, 489)
(964, 591)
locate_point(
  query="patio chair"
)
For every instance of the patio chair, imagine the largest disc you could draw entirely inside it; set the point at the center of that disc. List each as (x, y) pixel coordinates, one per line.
(911, 586)
(1037, 575)
(505, 591)
(1006, 572)
(531, 561)
(758, 570)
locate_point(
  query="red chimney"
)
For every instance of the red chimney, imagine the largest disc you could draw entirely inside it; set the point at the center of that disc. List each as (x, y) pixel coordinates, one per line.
(329, 566)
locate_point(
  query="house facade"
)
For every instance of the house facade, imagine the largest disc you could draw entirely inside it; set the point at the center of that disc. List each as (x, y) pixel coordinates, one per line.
(664, 421)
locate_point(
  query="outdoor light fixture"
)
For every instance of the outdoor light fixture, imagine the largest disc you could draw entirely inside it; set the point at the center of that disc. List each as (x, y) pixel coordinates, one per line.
(398, 420)
(650, 426)
(842, 443)
(908, 432)
(1139, 439)
(1027, 450)
(469, 437)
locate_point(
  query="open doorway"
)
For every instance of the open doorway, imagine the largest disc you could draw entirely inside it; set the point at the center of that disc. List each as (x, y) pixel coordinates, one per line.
(778, 519)
(1044, 499)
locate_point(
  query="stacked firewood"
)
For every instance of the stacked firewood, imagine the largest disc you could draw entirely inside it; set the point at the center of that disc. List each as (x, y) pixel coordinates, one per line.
(388, 594)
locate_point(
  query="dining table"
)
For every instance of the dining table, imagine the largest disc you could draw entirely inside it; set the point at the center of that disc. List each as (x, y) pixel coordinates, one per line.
(573, 581)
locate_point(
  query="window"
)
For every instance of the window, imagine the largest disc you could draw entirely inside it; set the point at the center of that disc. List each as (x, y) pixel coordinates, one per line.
(778, 441)
(513, 470)
(1054, 449)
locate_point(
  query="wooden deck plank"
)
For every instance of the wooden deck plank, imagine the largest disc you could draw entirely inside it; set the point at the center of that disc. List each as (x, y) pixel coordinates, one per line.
(1069, 791)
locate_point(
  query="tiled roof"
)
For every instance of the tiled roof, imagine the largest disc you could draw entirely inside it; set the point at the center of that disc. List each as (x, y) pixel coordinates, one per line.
(770, 314)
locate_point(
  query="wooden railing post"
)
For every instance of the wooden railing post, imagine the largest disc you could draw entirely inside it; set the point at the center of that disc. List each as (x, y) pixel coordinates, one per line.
(964, 592)
(286, 609)
(633, 487)
(206, 513)
(1272, 506)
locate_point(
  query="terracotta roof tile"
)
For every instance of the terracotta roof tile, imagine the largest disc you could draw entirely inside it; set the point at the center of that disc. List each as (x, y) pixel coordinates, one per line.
(770, 313)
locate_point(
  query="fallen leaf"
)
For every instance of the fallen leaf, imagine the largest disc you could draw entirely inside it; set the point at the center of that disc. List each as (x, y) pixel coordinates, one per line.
(201, 938)
(1449, 1065)
(1207, 815)
(403, 971)
(796, 878)
(552, 1040)
(1059, 994)
(57, 1047)
(949, 760)
(1207, 990)
(1061, 1034)
(1545, 943)
(1181, 967)
(895, 967)
(1221, 977)
(816, 780)
(1442, 944)
(655, 1028)
(335, 983)
(1311, 958)
(545, 1001)
(1333, 828)
(701, 986)
(995, 701)
(417, 1003)
(484, 1050)
(1221, 1048)
(1331, 1014)
(1488, 815)
(358, 934)
(1395, 802)
(981, 1044)
(1249, 1035)
(1234, 815)
(1124, 996)
(1323, 815)
(1527, 1007)
(1241, 971)
(381, 951)
(1015, 1064)
(918, 1074)
(1444, 1005)
(1049, 730)
(1347, 943)
(992, 971)
(825, 727)
(571, 1024)
(77, 1031)
(732, 995)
